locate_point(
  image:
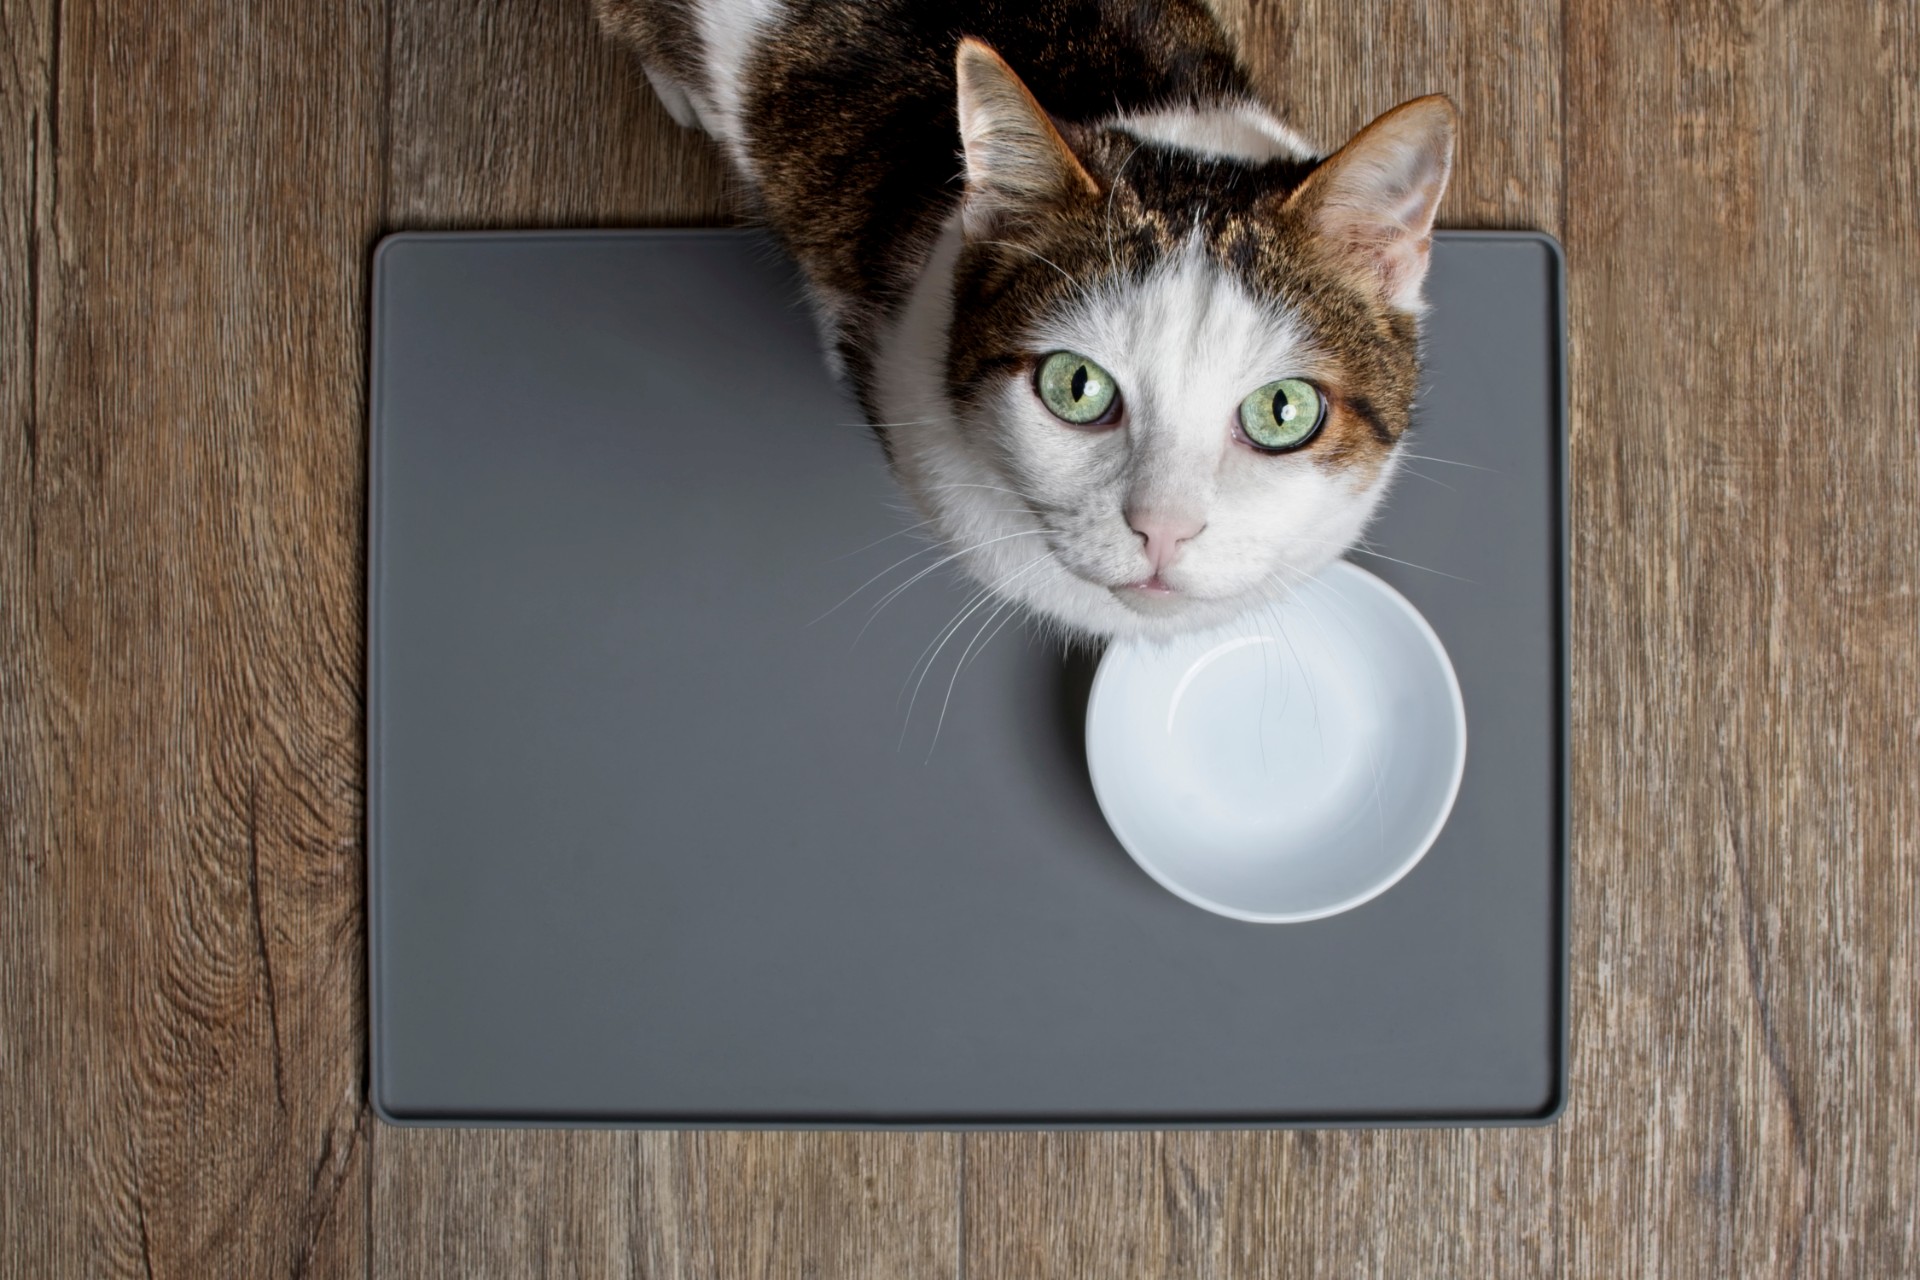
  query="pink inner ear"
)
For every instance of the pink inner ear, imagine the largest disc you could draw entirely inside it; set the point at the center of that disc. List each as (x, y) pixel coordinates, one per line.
(1378, 195)
(1014, 155)
(1387, 249)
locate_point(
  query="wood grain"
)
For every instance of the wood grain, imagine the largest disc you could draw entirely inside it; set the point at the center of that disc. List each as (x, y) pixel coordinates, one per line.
(1390, 1204)
(1330, 67)
(665, 1206)
(184, 462)
(1741, 204)
(520, 113)
(35, 1165)
(187, 198)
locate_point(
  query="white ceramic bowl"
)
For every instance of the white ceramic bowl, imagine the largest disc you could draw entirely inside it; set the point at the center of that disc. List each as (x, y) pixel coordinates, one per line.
(1290, 767)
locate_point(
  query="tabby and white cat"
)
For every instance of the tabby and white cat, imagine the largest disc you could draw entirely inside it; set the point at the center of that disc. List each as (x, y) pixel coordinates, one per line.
(1138, 353)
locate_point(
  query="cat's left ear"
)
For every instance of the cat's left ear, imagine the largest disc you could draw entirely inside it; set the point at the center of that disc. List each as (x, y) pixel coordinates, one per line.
(1373, 201)
(1016, 158)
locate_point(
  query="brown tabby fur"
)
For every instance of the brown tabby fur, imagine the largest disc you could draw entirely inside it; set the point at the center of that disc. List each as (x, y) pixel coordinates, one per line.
(852, 130)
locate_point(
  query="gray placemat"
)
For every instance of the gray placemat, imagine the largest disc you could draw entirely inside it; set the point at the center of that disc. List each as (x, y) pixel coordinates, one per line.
(652, 842)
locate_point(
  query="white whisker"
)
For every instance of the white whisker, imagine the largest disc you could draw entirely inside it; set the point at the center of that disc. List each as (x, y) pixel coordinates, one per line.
(1333, 602)
(958, 667)
(1358, 546)
(1381, 555)
(992, 488)
(1080, 290)
(966, 606)
(944, 560)
(876, 577)
(1421, 475)
(897, 533)
(1451, 462)
(953, 629)
(1113, 262)
(1012, 615)
(1306, 681)
(905, 422)
(900, 533)
(1031, 253)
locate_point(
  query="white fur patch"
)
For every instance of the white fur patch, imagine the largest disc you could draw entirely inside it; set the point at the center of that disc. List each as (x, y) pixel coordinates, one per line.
(730, 31)
(674, 97)
(1228, 130)
(1039, 508)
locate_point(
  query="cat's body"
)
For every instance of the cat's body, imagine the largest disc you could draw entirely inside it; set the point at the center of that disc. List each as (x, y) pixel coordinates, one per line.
(1153, 218)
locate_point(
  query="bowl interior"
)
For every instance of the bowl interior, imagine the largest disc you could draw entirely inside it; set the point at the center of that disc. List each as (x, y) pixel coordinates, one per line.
(1287, 768)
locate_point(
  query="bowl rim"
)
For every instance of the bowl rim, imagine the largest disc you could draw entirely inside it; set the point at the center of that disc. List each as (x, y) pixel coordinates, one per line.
(1103, 678)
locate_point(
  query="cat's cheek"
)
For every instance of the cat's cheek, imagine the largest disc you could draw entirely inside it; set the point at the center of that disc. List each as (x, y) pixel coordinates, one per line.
(1053, 463)
(1275, 521)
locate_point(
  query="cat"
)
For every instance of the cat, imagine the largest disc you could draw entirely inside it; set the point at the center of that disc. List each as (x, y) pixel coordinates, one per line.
(1140, 354)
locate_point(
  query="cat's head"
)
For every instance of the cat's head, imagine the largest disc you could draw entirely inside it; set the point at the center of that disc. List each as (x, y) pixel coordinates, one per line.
(1173, 381)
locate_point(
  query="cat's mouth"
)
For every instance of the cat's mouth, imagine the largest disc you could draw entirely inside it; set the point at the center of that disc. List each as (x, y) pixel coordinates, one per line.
(1154, 597)
(1150, 597)
(1152, 594)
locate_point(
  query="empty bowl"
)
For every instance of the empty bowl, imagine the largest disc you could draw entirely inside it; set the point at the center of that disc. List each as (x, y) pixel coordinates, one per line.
(1290, 767)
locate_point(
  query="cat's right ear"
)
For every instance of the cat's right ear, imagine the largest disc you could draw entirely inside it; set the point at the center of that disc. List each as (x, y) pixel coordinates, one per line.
(1016, 158)
(1373, 201)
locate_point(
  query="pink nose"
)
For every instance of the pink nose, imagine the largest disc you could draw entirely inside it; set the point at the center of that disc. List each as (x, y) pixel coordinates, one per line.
(1164, 535)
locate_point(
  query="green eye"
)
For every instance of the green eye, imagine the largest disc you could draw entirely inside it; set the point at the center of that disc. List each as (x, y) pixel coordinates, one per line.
(1283, 415)
(1075, 389)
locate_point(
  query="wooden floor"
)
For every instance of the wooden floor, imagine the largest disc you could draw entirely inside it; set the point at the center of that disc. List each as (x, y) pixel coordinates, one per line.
(188, 196)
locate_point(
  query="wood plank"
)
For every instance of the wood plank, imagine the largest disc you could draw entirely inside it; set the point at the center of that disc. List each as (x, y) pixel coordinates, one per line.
(663, 1206)
(1741, 204)
(1329, 68)
(35, 1165)
(520, 114)
(1336, 1203)
(1389, 1204)
(182, 766)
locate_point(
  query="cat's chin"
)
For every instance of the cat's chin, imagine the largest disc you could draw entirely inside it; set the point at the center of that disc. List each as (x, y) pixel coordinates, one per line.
(1184, 617)
(1093, 612)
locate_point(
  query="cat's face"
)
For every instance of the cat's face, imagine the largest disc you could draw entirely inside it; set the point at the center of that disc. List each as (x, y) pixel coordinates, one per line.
(1174, 384)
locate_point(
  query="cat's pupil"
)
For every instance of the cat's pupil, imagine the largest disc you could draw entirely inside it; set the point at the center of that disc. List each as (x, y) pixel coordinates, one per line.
(1080, 383)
